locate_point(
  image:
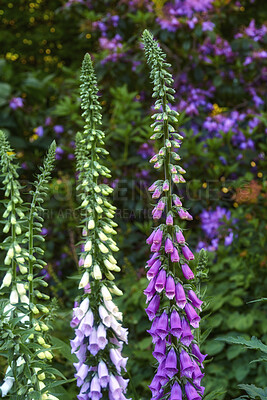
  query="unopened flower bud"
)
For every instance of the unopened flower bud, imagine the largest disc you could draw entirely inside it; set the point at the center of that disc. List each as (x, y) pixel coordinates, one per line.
(105, 293)
(97, 274)
(88, 245)
(85, 280)
(14, 298)
(7, 280)
(88, 261)
(102, 236)
(103, 248)
(91, 224)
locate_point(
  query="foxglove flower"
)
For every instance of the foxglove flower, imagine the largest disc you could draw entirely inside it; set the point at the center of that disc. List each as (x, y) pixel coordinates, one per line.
(173, 325)
(23, 312)
(99, 334)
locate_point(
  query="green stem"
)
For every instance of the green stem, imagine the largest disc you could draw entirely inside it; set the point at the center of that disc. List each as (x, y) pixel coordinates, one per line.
(13, 233)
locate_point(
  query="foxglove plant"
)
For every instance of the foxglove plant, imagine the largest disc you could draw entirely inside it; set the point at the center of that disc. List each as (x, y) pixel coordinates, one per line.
(173, 304)
(99, 334)
(24, 338)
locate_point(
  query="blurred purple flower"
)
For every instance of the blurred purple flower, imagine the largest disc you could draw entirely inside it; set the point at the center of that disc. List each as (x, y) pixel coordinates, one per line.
(16, 102)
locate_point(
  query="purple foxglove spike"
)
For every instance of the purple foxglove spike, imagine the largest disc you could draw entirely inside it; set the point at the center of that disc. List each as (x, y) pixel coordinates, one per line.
(156, 194)
(188, 216)
(103, 374)
(171, 364)
(187, 336)
(81, 353)
(153, 271)
(175, 255)
(176, 392)
(191, 392)
(157, 214)
(169, 220)
(155, 385)
(158, 236)
(180, 295)
(170, 287)
(168, 246)
(114, 387)
(152, 259)
(188, 255)
(197, 374)
(175, 178)
(159, 352)
(177, 201)
(188, 274)
(196, 302)
(122, 382)
(82, 374)
(95, 389)
(186, 364)
(160, 281)
(152, 330)
(153, 307)
(176, 325)
(152, 188)
(161, 205)
(150, 238)
(162, 326)
(150, 290)
(93, 343)
(180, 237)
(192, 316)
(166, 186)
(101, 337)
(196, 351)
(182, 213)
(155, 247)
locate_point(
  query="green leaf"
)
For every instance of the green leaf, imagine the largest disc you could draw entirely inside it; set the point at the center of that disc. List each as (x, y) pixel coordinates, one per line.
(254, 391)
(254, 343)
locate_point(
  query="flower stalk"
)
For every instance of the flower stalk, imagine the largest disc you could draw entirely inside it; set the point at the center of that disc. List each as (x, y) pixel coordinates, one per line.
(99, 334)
(23, 323)
(173, 304)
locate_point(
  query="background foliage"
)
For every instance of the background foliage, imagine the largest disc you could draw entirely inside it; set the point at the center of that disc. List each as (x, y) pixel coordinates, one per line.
(219, 57)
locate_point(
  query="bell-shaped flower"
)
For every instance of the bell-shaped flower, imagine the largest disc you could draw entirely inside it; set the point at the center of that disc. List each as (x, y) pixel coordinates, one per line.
(196, 302)
(176, 392)
(188, 274)
(101, 336)
(95, 389)
(176, 325)
(191, 392)
(160, 281)
(170, 287)
(186, 364)
(153, 307)
(103, 375)
(188, 255)
(171, 363)
(180, 295)
(187, 336)
(93, 343)
(192, 316)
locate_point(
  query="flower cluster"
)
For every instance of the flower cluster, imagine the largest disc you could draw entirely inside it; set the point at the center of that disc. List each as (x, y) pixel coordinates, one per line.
(24, 337)
(173, 307)
(99, 334)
